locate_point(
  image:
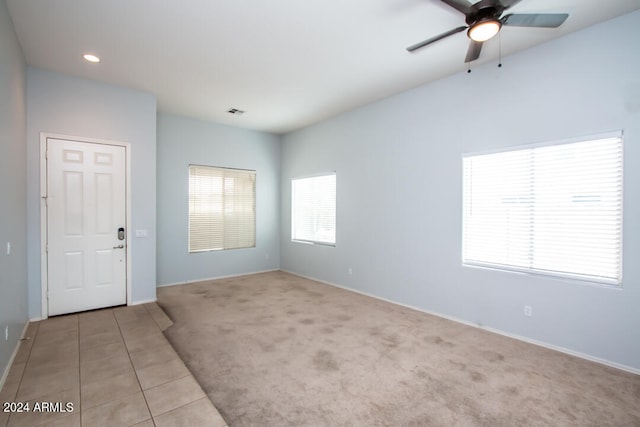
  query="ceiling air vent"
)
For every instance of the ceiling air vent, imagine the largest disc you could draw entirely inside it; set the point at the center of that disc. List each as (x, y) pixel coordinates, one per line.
(235, 111)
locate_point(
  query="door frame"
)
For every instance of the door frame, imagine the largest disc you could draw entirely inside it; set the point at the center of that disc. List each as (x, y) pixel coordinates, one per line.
(44, 274)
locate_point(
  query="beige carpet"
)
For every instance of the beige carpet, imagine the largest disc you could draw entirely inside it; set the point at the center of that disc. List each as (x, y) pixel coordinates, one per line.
(275, 349)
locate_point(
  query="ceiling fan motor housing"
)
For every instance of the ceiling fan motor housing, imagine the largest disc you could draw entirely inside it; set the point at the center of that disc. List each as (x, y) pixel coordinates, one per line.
(484, 12)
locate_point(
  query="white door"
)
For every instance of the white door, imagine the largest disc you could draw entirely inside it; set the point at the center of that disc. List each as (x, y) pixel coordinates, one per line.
(86, 226)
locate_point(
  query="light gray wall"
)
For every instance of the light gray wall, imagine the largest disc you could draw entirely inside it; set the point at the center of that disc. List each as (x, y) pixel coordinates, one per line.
(13, 175)
(399, 181)
(183, 141)
(71, 106)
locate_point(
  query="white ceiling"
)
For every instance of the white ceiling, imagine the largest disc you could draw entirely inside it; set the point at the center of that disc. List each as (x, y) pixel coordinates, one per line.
(288, 63)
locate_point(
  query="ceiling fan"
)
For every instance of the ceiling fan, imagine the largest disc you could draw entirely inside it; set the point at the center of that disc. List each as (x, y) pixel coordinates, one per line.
(484, 20)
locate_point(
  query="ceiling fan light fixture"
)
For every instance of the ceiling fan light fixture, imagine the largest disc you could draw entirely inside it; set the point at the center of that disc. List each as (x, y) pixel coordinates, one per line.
(484, 30)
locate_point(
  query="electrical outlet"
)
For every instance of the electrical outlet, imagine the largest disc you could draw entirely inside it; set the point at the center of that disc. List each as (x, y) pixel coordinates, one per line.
(267, 256)
(8, 248)
(528, 310)
(350, 271)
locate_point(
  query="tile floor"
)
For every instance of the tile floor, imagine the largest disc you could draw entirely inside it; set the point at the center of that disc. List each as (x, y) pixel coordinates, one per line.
(114, 366)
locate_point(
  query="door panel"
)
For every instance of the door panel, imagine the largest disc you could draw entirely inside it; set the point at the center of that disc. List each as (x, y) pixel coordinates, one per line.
(86, 204)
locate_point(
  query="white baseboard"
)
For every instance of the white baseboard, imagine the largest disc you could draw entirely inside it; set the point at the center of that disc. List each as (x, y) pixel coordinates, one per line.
(217, 278)
(485, 328)
(145, 301)
(13, 356)
(562, 350)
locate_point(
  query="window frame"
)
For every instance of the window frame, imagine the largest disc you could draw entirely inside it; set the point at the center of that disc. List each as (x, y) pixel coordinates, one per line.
(335, 211)
(252, 174)
(581, 278)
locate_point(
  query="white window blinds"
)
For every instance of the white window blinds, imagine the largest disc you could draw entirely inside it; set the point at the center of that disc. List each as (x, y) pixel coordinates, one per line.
(551, 209)
(313, 209)
(221, 208)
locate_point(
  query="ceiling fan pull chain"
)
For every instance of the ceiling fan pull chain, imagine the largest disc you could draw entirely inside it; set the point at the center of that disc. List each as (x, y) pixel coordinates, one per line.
(499, 50)
(468, 67)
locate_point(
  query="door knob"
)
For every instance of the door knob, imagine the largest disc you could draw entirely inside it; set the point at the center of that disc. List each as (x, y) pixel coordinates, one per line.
(119, 247)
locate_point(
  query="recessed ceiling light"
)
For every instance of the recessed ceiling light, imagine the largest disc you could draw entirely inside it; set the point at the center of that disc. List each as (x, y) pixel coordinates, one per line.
(91, 58)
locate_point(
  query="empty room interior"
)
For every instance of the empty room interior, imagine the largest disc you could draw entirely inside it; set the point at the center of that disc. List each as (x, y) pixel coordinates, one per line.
(363, 213)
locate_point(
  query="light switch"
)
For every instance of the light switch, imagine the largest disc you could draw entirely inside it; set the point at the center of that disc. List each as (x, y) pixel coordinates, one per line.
(8, 248)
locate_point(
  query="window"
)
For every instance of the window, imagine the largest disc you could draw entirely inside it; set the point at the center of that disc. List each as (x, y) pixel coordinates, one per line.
(313, 209)
(222, 213)
(546, 209)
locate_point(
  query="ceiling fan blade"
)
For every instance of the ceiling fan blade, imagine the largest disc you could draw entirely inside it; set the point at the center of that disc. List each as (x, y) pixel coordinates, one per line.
(473, 52)
(546, 20)
(460, 5)
(435, 39)
(508, 3)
